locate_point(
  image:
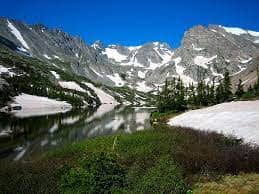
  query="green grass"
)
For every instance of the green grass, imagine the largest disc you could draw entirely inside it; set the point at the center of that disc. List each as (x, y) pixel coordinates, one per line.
(155, 160)
(243, 183)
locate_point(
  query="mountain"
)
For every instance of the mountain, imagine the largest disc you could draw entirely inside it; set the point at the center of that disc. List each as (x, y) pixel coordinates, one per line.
(205, 53)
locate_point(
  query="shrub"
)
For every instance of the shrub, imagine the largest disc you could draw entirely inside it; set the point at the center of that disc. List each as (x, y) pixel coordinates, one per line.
(164, 177)
(98, 173)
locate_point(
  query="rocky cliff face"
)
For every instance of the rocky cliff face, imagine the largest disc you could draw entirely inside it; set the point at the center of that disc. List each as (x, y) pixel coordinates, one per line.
(204, 54)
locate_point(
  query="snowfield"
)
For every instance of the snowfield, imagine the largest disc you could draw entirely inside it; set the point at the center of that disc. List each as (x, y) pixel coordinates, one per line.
(203, 61)
(37, 105)
(239, 119)
(71, 85)
(114, 54)
(103, 96)
(180, 71)
(6, 70)
(116, 79)
(17, 34)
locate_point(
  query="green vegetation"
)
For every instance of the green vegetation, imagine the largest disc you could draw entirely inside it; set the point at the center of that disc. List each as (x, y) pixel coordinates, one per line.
(251, 93)
(176, 97)
(34, 77)
(98, 173)
(162, 117)
(164, 159)
(243, 183)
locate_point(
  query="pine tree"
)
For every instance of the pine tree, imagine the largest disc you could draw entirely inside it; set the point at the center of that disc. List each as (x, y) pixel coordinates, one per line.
(227, 94)
(220, 93)
(240, 90)
(212, 93)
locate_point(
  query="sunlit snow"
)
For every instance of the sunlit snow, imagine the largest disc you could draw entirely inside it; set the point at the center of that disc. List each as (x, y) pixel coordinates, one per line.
(114, 54)
(116, 79)
(71, 85)
(55, 74)
(240, 119)
(142, 87)
(103, 96)
(17, 34)
(203, 61)
(37, 105)
(180, 71)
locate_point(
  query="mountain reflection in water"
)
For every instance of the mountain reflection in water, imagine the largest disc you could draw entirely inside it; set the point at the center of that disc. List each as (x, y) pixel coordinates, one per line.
(27, 138)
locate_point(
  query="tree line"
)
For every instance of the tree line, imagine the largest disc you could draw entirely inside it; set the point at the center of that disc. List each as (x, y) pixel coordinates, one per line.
(175, 96)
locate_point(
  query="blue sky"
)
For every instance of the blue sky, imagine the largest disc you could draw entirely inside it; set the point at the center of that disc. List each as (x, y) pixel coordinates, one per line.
(133, 22)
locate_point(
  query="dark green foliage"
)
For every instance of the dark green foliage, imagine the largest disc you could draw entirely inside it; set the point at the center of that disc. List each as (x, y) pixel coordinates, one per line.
(240, 89)
(173, 96)
(98, 173)
(34, 77)
(165, 176)
(251, 93)
(163, 156)
(227, 94)
(123, 76)
(177, 97)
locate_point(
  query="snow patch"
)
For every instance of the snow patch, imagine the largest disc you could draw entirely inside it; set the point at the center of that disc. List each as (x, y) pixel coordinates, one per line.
(100, 75)
(142, 87)
(240, 119)
(196, 48)
(55, 74)
(241, 69)
(253, 33)
(246, 60)
(38, 105)
(116, 79)
(133, 61)
(56, 57)
(180, 71)
(256, 41)
(71, 85)
(114, 54)
(234, 30)
(203, 61)
(141, 74)
(239, 31)
(4, 70)
(46, 56)
(132, 48)
(215, 73)
(17, 34)
(103, 96)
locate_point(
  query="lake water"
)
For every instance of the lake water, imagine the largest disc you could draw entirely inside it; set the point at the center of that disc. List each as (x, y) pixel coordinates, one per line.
(32, 136)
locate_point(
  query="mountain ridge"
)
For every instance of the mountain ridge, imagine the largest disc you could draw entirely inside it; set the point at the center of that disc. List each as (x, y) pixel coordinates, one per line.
(204, 54)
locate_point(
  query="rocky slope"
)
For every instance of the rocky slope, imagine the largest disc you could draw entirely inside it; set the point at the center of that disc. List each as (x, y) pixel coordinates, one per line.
(205, 53)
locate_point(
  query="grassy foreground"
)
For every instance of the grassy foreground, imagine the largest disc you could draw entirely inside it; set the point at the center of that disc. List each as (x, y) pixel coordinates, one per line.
(161, 160)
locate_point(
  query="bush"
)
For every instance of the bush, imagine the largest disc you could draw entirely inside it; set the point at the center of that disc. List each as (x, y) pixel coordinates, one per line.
(98, 173)
(165, 176)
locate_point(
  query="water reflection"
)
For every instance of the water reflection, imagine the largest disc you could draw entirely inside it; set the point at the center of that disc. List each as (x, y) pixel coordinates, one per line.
(27, 138)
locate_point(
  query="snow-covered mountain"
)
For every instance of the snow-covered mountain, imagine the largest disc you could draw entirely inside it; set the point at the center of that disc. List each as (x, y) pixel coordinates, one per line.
(204, 54)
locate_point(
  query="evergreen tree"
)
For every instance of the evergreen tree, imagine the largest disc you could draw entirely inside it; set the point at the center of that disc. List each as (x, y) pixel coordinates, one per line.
(212, 93)
(240, 90)
(220, 93)
(227, 94)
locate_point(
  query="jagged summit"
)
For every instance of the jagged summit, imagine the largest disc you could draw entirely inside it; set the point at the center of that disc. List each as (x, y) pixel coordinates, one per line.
(204, 54)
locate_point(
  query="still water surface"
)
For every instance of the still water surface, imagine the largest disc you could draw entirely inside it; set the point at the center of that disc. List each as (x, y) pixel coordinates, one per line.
(32, 136)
